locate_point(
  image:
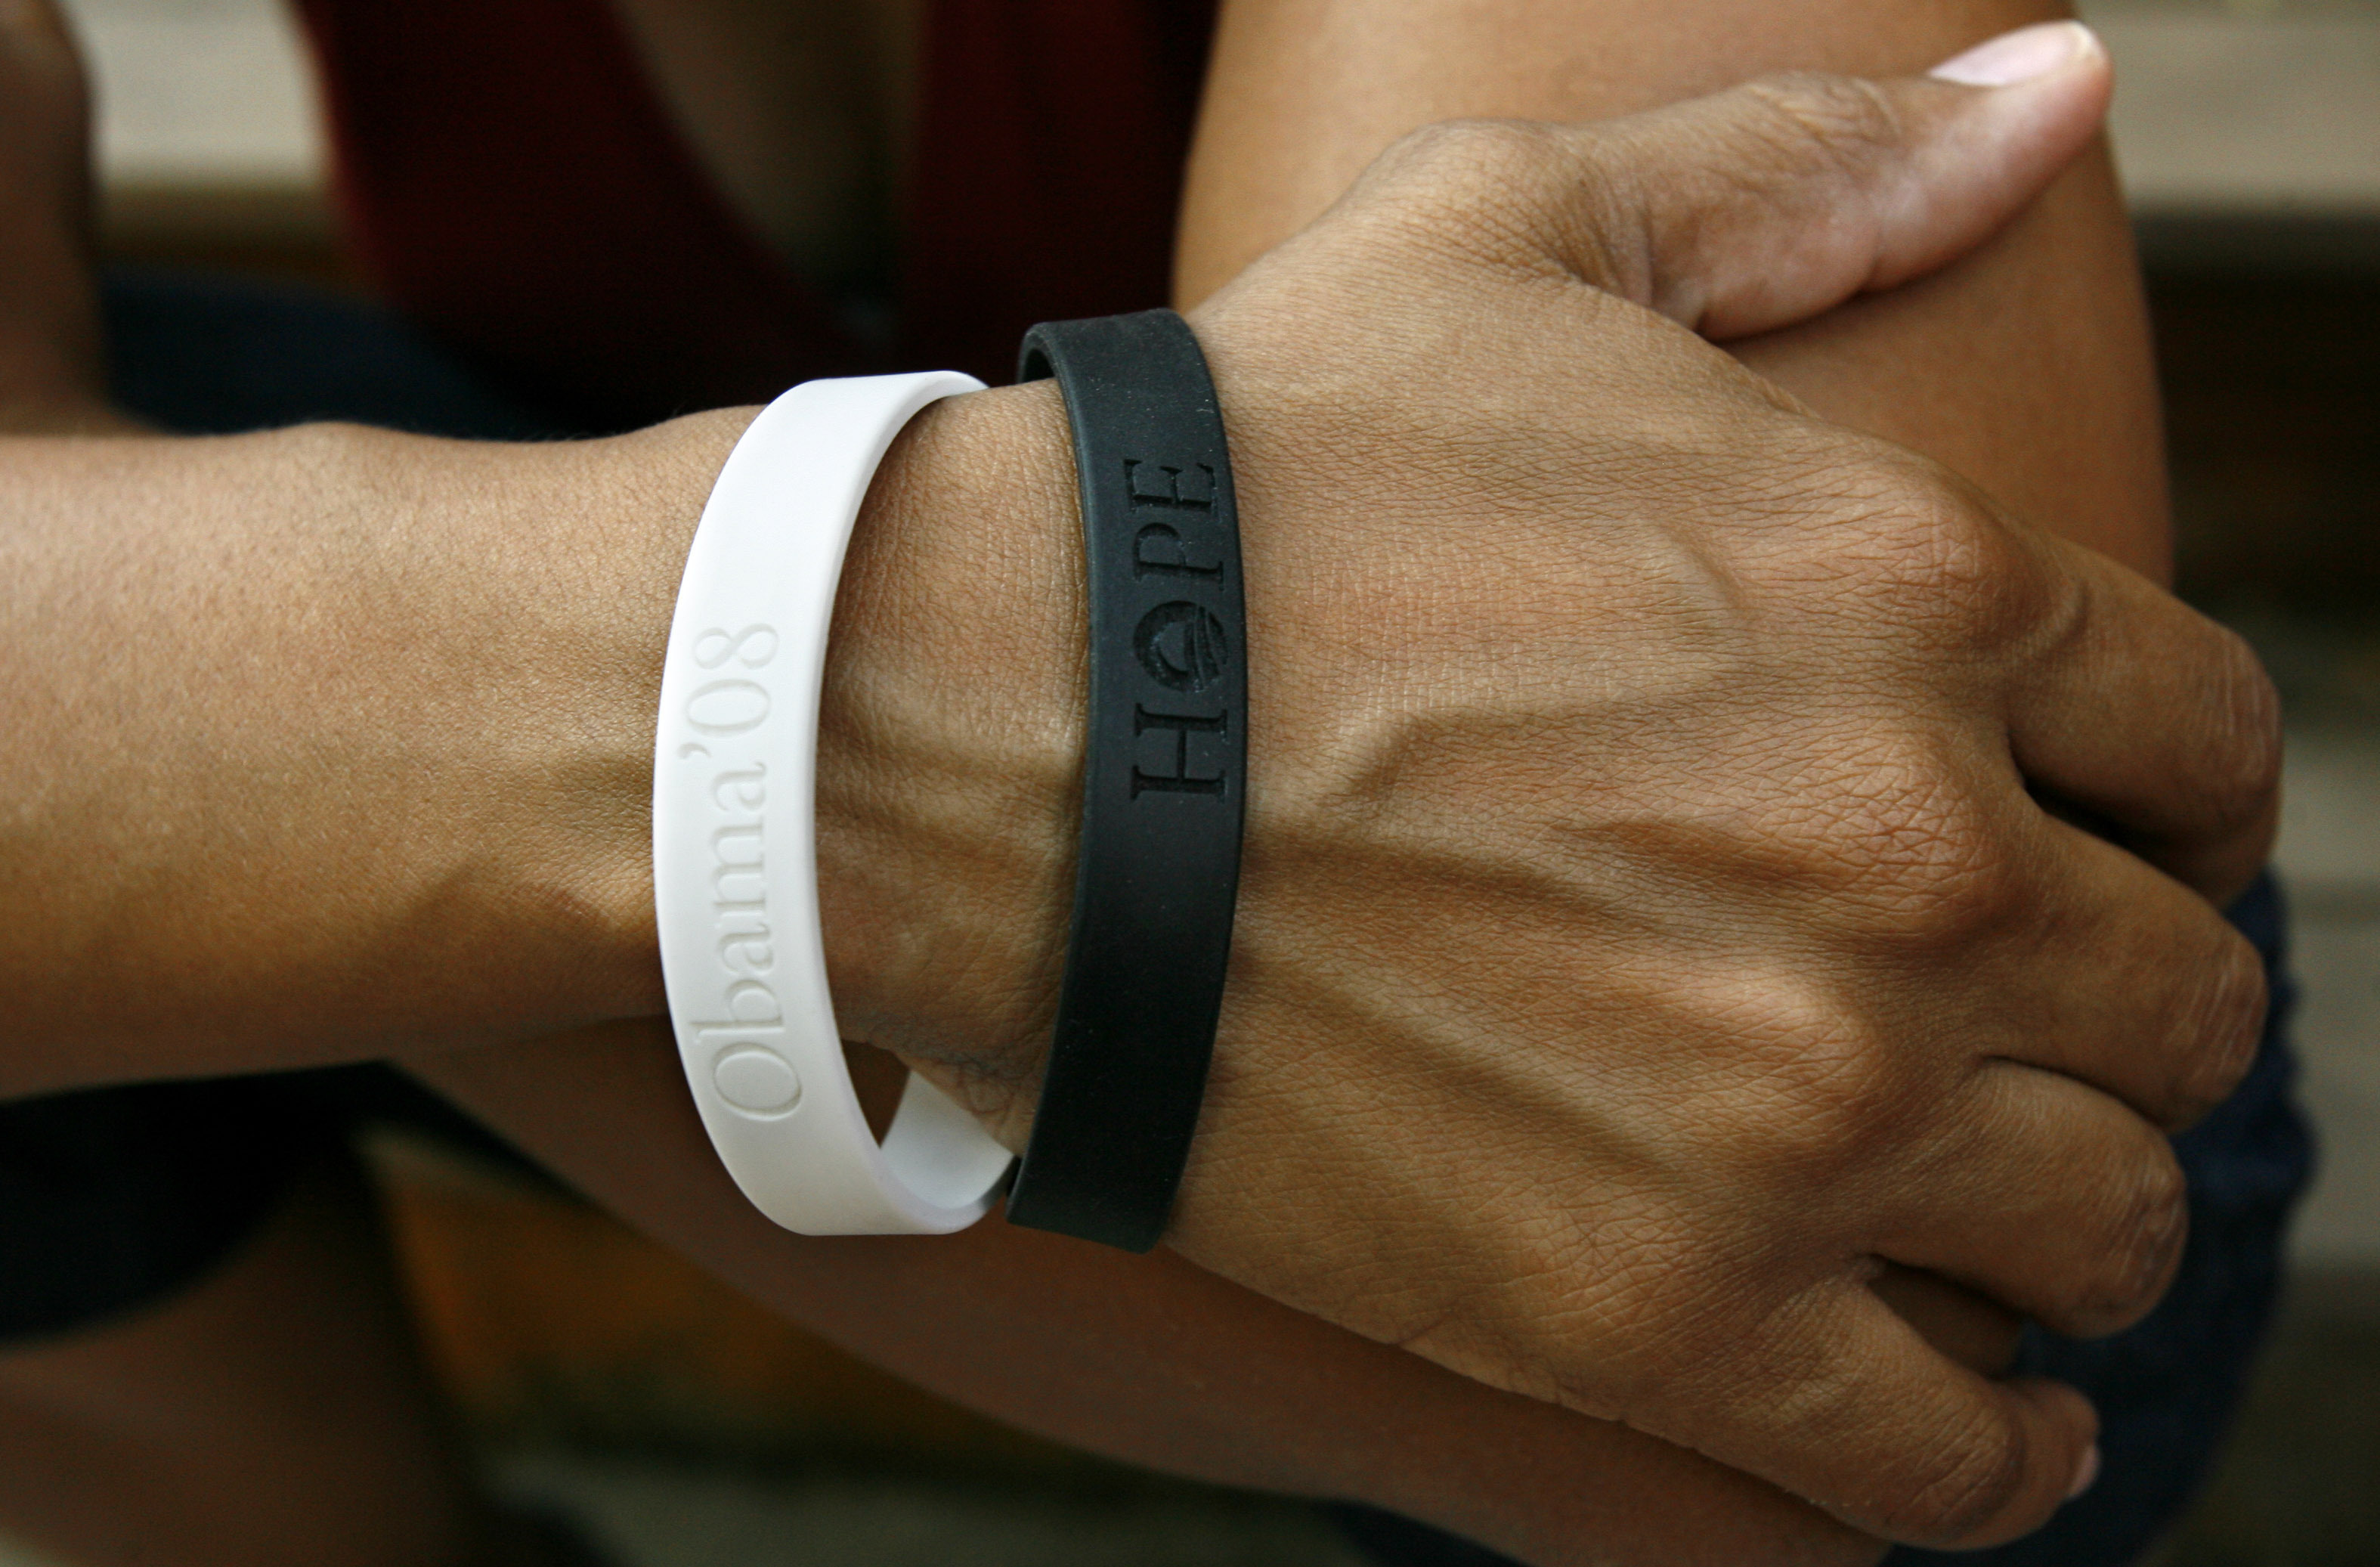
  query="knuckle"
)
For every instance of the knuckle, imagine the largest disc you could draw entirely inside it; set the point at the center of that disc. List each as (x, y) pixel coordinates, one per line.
(1885, 822)
(1966, 1484)
(1936, 875)
(1925, 547)
(1475, 185)
(2156, 1230)
(1960, 896)
(1838, 120)
(1827, 1095)
(1473, 155)
(2150, 1225)
(2241, 774)
(2221, 1023)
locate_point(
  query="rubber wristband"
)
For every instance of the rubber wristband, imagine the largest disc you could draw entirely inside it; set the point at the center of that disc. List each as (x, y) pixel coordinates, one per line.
(1164, 776)
(735, 860)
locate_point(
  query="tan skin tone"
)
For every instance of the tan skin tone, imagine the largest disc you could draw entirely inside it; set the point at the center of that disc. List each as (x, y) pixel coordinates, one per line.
(2024, 367)
(639, 478)
(2061, 422)
(1157, 1362)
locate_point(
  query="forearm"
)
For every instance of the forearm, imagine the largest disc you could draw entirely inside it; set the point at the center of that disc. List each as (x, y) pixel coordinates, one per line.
(331, 742)
(235, 664)
(1145, 1359)
(327, 741)
(1630, 743)
(2024, 366)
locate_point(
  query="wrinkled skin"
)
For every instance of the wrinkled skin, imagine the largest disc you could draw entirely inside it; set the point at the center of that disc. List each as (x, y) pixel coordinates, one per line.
(1650, 926)
(1650, 934)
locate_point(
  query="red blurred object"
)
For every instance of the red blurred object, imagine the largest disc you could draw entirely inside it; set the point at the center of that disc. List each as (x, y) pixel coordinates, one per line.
(513, 183)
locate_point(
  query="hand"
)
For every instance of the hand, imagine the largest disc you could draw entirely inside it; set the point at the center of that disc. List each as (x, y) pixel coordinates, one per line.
(1647, 928)
(1651, 926)
(1155, 1362)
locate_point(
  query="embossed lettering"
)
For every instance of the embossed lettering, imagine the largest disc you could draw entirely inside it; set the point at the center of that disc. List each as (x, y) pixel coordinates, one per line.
(752, 1009)
(750, 792)
(1181, 781)
(1180, 646)
(710, 1032)
(750, 645)
(726, 868)
(1160, 484)
(750, 955)
(728, 707)
(1152, 546)
(752, 1004)
(737, 786)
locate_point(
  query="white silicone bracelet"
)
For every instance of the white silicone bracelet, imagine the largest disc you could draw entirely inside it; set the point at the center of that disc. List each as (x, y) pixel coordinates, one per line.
(735, 863)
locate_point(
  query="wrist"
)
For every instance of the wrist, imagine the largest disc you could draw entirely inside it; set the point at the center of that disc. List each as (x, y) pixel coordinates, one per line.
(383, 707)
(950, 750)
(582, 617)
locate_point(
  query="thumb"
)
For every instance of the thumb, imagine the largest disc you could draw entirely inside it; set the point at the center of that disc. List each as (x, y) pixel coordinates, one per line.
(1759, 207)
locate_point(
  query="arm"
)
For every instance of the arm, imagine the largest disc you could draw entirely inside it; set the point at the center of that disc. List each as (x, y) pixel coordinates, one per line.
(2024, 367)
(323, 742)
(1144, 1358)
(1147, 1358)
(1636, 1016)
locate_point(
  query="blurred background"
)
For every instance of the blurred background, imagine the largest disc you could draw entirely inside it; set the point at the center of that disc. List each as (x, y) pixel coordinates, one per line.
(686, 1428)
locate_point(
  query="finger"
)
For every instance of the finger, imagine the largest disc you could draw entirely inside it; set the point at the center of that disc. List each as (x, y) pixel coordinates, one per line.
(1973, 1330)
(1840, 1401)
(1753, 209)
(2157, 719)
(2070, 1208)
(2157, 999)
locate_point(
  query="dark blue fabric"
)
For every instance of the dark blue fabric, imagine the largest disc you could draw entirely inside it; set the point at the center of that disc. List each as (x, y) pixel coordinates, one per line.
(214, 356)
(2167, 1389)
(118, 1197)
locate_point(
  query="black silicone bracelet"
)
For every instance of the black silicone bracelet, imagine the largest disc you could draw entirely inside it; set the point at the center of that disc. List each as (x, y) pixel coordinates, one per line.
(1164, 777)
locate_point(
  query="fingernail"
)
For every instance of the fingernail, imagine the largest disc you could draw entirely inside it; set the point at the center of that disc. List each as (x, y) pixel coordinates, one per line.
(2086, 1473)
(2022, 56)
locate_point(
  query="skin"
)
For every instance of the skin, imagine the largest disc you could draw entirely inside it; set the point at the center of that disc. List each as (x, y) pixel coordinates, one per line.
(2057, 418)
(1158, 1362)
(634, 482)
